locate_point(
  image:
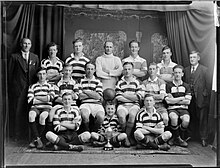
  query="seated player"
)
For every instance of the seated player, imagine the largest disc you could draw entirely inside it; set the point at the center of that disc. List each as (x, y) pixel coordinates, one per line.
(178, 99)
(110, 120)
(66, 122)
(53, 64)
(40, 95)
(128, 95)
(66, 84)
(90, 95)
(156, 87)
(150, 127)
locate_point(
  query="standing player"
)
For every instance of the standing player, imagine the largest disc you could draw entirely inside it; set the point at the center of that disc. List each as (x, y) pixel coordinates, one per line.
(178, 99)
(108, 67)
(90, 94)
(128, 95)
(53, 64)
(40, 95)
(140, 64)
(150, 127)
(166, 66)
(66, 122)
(78, 60)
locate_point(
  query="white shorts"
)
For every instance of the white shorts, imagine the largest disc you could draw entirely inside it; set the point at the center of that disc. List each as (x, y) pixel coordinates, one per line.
(92, 108)
(129, 108)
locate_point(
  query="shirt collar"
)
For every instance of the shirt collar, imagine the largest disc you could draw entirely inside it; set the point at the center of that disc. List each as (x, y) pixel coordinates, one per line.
(73, 55)
(23, 54)
(136, 58)
(195, 67)
(170, 64)
(133, 78)
(176, 83)
(88, 78)
(150, 80)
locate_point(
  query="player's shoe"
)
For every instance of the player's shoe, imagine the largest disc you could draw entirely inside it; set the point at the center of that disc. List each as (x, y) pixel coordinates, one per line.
(171, 141)
(39, 143)
(32, 144)
(77, 148)
(164, 147)
(126, 143)
(179, 142)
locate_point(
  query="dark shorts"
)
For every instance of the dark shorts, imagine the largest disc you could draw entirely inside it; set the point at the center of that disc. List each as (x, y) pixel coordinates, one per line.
(70, 137)
(39, 110)
(179, 112)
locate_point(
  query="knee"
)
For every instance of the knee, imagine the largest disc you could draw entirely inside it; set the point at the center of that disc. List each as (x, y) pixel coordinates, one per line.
(42, 118)
(85, 136)
(185, 121)
(121, 116)
(51, 136)
(32, 116)
(94, 135)
(167, 135)
(138, 135)
(85, 114)
(100, 115)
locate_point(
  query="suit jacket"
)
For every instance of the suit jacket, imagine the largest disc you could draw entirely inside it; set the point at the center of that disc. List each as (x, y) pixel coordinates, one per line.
(200, 83)
(22, 73)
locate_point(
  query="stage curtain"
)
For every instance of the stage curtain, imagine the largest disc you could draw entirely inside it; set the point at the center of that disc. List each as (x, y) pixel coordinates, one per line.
(42, 24)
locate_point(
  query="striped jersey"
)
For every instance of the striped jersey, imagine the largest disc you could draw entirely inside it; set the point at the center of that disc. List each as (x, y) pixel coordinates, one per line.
(51, 68)
(110, 122)
(145, 118)
(38, 89)
(182, 90)
(78, 65)
(61, 115)
(133, 87)
(64, 86)
(93, 84)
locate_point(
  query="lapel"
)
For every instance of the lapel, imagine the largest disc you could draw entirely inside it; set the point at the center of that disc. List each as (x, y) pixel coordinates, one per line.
(22, 62)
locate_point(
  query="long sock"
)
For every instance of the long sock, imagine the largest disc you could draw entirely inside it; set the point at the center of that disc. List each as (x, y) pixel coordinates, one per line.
(41, 129)
(129, 129)
(86, 126)
(34, 130)
(97, 124)
(175, 131)
(159, 140)
(63, 143)
(50, 126)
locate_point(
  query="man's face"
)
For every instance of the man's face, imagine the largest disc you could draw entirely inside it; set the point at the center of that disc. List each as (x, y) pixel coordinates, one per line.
(52, 51)
(90, 70)
(108, 48)
(67, 71)
(42, 75)
(166, 55)
(194, 59)
(134, 48)
(152, 70)
(128, 70)
(78, 47)
(110, 110)
(178, 74)
(26, 45)
(149, 102)
(67, 100)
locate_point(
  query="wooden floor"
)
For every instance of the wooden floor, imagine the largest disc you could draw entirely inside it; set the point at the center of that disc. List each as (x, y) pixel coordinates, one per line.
(200, 157)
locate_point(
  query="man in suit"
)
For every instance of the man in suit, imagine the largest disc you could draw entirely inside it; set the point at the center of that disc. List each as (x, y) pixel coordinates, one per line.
(196, 76)
(22, 73)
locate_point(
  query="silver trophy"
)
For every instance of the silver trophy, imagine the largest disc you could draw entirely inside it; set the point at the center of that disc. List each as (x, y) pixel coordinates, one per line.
(108, 136)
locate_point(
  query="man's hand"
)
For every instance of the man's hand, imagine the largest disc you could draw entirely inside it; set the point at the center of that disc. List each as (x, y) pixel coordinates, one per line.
(57, 128)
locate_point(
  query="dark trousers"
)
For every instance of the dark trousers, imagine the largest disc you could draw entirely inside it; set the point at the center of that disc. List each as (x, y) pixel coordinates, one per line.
(198, 121)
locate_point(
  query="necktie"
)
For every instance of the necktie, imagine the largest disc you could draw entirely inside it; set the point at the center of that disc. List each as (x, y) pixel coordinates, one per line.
(193, 69)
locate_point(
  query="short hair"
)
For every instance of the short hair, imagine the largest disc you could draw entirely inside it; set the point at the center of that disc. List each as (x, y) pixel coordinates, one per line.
(110, 103)
(153, 63)
(128, 63)
(90, 62)
(134, 41)
(165, 48)
(148, 95)
(108, 41)
(78, 40)
(67, 65)
(178, 66)
(51, 44)
(40, 69)
(194, 52)
(22, 40)
(67, 94)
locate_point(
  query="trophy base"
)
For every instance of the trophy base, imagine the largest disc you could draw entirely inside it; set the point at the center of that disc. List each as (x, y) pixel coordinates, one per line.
(107, 148)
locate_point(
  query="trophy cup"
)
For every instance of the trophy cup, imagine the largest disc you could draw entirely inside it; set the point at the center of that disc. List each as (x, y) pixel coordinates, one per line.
(108, 135)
